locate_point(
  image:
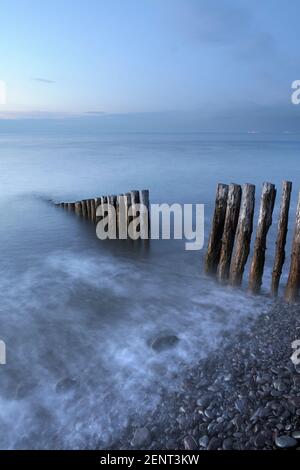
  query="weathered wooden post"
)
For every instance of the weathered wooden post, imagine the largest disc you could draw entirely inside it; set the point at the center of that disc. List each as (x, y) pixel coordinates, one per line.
(71, 206)
(264, 222)
(215, 239)
(122, 215)
(135, 200)
(83, 208)
(293, 284)
(93, 210)
(231, 220)
(243, 235)
(281, 236)
(78, 210)
(97, 204)
(88, 207)
(112, 215)
(145, 214)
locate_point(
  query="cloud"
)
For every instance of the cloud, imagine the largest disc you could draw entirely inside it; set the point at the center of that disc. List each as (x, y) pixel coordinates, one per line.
(43, 80)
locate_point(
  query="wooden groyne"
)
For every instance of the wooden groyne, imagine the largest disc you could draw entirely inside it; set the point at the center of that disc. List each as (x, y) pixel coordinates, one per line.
(230, 238)
(120, 212)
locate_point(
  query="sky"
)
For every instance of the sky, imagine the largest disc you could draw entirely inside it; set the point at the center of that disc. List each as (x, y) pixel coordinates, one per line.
(210, 58)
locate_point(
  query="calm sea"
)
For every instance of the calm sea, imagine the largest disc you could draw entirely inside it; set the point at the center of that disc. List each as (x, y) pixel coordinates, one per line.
(78, 315)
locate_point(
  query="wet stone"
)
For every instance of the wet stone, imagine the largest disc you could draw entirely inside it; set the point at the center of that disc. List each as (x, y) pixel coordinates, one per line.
(164, 342)
(141, 438)
(203, 441)
(190, 443)
(66, 385)
(285, 442)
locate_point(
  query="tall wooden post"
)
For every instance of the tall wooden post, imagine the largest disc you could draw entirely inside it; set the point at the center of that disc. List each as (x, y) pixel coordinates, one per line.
(215, 239)
(97, 204)
(231, 220)
(281, 236)
(135, 199)
(264, 222)
(112, 215)
(243, 235)
(123, 205)
(145, 214)
(293, 284)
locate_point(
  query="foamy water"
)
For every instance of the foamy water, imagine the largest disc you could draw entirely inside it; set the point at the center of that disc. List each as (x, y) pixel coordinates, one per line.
(79, 315)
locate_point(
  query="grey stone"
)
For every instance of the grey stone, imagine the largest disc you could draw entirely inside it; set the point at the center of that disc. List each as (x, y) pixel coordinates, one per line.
(203, 441)
(141, 438)
(190, 443)
(285, 442)
(164, 342)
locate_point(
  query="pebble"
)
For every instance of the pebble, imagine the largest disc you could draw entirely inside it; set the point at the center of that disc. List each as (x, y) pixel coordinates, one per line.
(285, 442)
(190, 443)
(203, 441)
(141, 438)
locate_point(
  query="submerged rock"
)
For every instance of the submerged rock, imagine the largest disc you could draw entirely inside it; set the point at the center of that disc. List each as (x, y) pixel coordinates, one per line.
(66, 385)
(164, 342)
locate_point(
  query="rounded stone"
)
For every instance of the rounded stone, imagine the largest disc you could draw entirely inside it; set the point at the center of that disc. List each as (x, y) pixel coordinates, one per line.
(285, 442)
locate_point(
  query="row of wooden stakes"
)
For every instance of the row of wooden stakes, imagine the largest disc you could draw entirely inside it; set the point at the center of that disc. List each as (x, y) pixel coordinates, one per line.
(230, 238)
(87, 208)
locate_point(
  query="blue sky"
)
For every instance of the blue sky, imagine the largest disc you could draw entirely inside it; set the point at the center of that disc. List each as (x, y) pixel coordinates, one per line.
(123, 56)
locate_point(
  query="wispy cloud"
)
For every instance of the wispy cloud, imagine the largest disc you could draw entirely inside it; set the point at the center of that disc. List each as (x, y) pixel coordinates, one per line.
(43, 80)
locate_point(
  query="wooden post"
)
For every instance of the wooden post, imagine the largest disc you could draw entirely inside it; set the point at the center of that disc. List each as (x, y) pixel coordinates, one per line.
(215, 239)
(264, 222)
(97, 203)
(83, 208)
(78, 210)
(281, 236)
(71, 206)
(145, 214)
(93, 210)
(112, 216)
(231, 220)
(243, 235)
(123, 205)
(135, 199)
(88, 208)
(293, 284)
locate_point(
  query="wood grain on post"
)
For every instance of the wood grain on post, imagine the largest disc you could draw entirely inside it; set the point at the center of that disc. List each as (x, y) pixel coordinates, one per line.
(145, 214)
(230, 225)
(281, 236)
(215, 239)
(243, 235)
(264, 223)
(293, 283)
